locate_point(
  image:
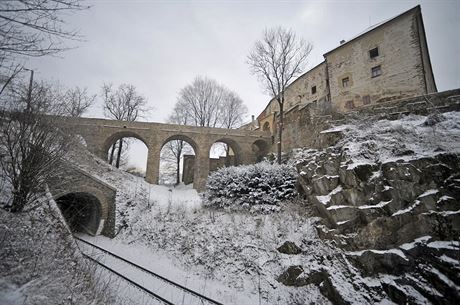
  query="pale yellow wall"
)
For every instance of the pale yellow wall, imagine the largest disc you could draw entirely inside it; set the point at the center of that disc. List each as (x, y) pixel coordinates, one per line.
(399, 58)
(299, 92)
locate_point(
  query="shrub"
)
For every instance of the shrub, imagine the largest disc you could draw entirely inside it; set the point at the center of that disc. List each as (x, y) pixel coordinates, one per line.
(250, 185)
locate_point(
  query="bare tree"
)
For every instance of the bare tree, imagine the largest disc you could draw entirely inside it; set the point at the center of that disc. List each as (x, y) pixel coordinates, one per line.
(123, 104)
(32, 28)
(76, 101)
(31, 147)
(204, 103)
(201, 100)
(277, 59)
(232, 110)
(176, 148)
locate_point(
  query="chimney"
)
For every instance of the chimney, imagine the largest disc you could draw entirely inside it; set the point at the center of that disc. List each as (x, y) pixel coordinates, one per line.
(253, 118)
(342, 41)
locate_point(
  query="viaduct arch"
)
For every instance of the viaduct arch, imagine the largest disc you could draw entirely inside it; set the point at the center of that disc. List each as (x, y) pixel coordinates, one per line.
(100, 134)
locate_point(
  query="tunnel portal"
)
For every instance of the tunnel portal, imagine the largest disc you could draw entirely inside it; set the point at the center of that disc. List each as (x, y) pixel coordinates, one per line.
(81, 211)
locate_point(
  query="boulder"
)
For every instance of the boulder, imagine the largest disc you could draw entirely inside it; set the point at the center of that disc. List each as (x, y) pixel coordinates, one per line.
(392, 261)
(325, 184)
(401, 171)
(342, 213)
(353, 196)
(289, 247)
(365, 171)
(291, 277)
(348, 177)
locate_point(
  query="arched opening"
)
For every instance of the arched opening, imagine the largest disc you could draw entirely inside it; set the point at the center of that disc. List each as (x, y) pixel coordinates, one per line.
(266, 126)
(81, 211)
(260, 148)
(127, 151)
(224, 152)
(177, 161)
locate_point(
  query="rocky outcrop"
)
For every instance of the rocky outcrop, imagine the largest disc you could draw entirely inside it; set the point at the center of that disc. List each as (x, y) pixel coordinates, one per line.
(398, 222)
(391, 203)
(295, 276)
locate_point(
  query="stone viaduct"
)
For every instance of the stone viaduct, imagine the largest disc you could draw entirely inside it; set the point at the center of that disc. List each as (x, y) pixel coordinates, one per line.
(100, 134)
(88, 204)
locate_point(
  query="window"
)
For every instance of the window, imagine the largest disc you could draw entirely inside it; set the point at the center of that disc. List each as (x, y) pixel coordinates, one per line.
(366, 100)
(313, 90)
(349, 105)
(376, 71)
(345, 82)
(374, 53)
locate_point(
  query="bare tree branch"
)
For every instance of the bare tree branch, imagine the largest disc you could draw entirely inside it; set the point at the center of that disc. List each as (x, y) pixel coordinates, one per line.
(123, 104)
(31, 147)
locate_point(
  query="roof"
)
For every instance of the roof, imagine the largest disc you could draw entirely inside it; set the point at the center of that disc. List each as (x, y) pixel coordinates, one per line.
(415, 9)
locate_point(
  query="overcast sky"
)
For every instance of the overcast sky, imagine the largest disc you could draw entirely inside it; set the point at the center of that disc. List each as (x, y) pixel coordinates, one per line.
(160, 46)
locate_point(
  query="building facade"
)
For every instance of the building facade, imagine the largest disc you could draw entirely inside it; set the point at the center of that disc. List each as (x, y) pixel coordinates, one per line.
(388, 61)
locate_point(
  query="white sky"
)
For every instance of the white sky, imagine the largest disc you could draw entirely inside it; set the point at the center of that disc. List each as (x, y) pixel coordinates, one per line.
(160, 46)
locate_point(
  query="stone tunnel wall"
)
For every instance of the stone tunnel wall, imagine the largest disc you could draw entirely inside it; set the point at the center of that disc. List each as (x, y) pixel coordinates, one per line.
(70, 179)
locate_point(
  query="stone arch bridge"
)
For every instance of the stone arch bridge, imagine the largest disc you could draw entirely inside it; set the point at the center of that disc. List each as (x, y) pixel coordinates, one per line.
(100, 134)
(88, 204)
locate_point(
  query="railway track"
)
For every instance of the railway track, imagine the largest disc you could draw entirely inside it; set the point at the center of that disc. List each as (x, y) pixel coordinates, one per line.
(155, 285)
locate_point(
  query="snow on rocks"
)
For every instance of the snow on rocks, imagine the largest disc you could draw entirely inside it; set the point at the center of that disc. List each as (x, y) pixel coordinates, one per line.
(395, 204)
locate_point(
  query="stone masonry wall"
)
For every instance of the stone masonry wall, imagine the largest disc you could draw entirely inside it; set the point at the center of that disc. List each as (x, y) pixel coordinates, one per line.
(70, 179)
(303, 126)
(399, 58)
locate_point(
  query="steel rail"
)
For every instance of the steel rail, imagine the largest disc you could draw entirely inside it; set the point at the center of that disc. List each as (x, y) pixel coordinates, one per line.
(153, 294)
(151, 272)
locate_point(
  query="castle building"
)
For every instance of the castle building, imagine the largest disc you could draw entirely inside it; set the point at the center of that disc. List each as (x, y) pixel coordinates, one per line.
(387, 61)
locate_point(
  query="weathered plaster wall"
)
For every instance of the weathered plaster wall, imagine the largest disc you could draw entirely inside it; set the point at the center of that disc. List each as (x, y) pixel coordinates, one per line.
(399, 58)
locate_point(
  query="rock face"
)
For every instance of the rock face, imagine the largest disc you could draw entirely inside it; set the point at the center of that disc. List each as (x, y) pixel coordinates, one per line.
(391, 203)
(295, 276)
(398, 222)
(289, 247)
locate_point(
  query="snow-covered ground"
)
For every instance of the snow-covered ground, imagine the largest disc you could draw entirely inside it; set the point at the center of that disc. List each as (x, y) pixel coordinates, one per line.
(230, 257)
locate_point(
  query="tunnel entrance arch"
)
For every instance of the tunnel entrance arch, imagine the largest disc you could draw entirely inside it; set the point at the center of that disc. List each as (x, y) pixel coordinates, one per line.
(81, 211)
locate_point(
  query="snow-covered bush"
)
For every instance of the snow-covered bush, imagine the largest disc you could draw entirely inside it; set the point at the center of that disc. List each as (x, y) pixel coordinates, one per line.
(250, 186)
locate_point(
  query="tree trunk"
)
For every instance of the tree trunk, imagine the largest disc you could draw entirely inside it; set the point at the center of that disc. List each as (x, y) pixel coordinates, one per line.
(120, 146)
(178, 169)
(227, 155)
(280, 132)
(112, 153)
